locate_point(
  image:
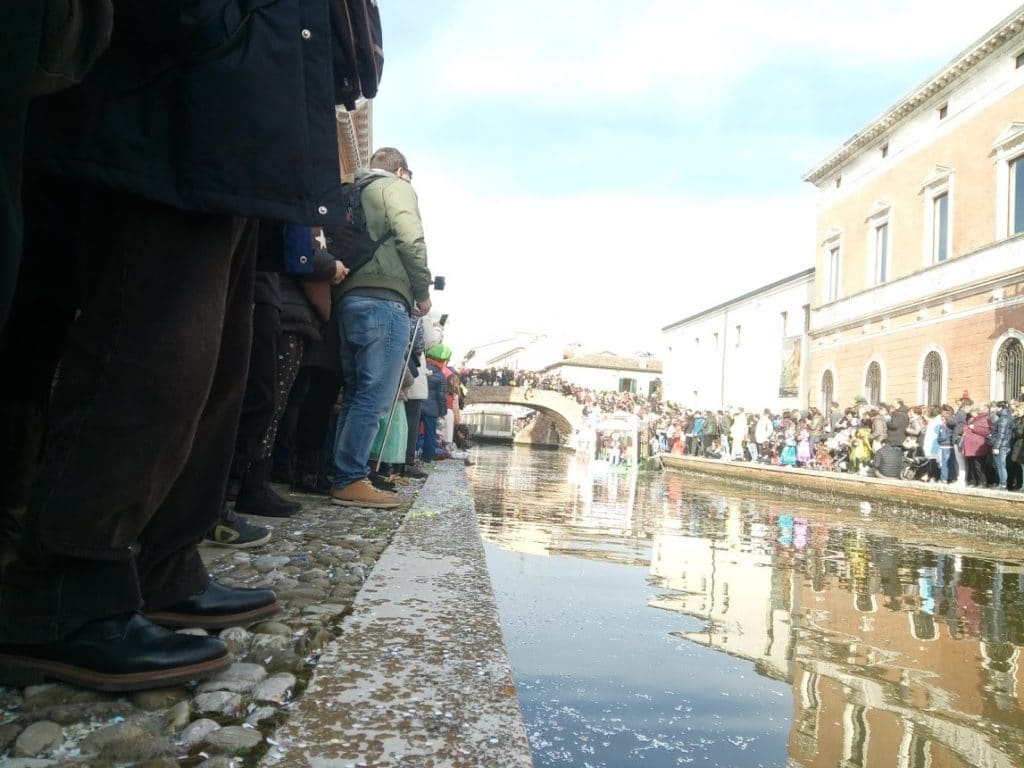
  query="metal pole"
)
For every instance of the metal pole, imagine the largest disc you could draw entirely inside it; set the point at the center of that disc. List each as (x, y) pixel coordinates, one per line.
(398, 391)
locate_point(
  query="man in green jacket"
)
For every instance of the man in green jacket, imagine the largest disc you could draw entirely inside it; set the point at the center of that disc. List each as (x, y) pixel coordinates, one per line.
(373, 309)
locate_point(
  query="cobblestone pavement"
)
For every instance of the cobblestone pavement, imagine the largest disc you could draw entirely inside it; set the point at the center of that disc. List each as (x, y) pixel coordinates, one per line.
(316, 561)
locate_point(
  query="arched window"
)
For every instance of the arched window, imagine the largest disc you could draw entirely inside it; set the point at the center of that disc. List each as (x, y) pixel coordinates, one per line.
(828, 389)
(873, 383)
(1010, 369)
(931, 373)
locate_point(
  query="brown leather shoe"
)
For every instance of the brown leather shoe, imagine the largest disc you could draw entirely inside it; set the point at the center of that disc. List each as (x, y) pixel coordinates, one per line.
(361, 493)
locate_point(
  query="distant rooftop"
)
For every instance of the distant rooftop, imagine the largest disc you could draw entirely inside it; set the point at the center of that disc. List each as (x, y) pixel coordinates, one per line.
(609, 362)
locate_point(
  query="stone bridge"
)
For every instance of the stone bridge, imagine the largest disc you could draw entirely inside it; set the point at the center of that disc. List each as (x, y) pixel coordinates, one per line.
(565, 412)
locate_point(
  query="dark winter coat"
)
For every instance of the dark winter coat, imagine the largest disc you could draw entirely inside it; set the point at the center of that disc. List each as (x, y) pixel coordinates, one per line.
(897, 429)
(1002, 430)
(888, 460)
(205, 108)
(436, 403)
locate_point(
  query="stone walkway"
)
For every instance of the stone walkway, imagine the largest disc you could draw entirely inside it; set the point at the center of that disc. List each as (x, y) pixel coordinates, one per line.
(397, 662)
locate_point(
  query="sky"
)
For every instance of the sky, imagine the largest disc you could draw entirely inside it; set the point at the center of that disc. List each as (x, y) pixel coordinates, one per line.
(596, 170)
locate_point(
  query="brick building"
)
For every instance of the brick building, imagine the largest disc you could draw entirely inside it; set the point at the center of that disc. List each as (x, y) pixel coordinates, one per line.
(919, 289)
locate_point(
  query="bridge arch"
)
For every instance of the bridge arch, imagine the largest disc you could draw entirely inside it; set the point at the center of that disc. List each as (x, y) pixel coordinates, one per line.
(565, 412)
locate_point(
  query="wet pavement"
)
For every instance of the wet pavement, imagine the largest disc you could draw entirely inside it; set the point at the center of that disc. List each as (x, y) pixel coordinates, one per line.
(387, 652)
(661, 619)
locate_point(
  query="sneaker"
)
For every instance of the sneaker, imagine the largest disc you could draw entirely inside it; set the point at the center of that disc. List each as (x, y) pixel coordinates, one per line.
(237, 532)
(361, 493)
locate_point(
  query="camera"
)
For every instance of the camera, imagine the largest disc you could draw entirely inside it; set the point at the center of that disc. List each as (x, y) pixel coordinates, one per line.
(439, 283)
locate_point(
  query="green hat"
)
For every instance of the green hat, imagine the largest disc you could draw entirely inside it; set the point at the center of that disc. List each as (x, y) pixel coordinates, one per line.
(439, 352)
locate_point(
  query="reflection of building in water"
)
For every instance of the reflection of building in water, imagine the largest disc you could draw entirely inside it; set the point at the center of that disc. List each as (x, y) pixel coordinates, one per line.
(730, 584)
(901, 673)
(520, 536)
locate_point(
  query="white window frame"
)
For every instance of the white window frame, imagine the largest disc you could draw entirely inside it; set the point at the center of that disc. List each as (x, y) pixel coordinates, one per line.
(879, 216)
(938, 183)
(1008, 148)
(833, 243)
(995, 391)
(944, 387)
(883, 378)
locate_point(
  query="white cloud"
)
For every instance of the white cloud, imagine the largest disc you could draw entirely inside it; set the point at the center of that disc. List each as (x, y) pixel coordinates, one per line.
(607, 270)
(618, 268)
(684, 50)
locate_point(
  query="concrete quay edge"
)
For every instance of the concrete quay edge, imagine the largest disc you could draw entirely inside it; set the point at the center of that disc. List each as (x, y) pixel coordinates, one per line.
(420, 674)
(987, 505)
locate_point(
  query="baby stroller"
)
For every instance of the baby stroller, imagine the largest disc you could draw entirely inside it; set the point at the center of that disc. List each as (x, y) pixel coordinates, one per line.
(915, 466)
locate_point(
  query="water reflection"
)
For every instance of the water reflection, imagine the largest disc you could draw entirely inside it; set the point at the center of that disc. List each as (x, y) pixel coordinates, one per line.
(900, 644)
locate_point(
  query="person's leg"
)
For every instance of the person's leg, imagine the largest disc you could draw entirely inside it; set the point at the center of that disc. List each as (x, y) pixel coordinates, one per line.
(136, 459)
(999, 460)
(412, 419)
(375, 334)
(260, 392)
(255, 496)
(315, 430)
(20, 34)
(944, 455)
(429, 438)
(961, 465)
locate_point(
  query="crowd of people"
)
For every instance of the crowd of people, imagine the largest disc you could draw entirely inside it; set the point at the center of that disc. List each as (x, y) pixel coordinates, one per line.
(177, 312)
(970, 444)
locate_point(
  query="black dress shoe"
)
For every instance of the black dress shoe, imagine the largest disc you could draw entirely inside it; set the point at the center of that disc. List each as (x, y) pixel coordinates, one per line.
(216, 607)
(311, 482)
(414, 472)
(121, 653)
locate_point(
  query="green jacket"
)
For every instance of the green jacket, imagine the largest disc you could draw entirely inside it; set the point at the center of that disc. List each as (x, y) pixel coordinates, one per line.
(393, 218)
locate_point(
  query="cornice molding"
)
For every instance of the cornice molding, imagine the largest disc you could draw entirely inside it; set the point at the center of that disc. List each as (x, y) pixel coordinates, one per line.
(955, 70)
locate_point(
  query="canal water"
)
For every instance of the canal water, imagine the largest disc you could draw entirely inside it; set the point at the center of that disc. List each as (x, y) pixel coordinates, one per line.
(656, 619)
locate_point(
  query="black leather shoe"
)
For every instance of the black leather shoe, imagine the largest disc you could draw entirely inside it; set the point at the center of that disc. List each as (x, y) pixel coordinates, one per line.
(121, 653)
(311, 482)
(414, 472)
(263, 501)
(217, 607)
(381, 483)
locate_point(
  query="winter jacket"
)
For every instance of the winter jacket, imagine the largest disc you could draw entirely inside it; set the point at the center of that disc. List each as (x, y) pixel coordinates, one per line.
(888, 460)
(930, 438)
(436, 404)
(879, 430)
(1017, 446)
(204, 108)
(393, 219)
(764, 429)
(975, 432)
(897, 428)
(1002, 430)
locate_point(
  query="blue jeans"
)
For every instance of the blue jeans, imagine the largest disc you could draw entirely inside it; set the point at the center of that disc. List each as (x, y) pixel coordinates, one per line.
(945, 454)
(374, 337)
(999, 460)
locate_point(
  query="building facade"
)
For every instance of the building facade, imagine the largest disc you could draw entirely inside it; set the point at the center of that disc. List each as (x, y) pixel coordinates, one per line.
(608, 372)
(748, 351)
(920, 240)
